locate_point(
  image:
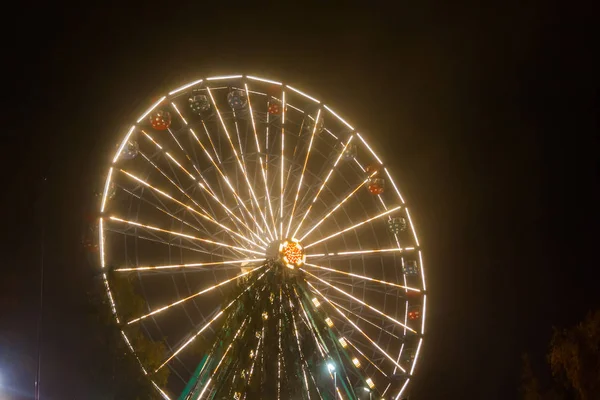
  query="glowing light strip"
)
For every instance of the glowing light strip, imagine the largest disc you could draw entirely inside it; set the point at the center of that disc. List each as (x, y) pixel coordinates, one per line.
(357, 328)
(179, 165)
(279, 350)
(399, 353)
(416, 356)
(364, 277)
(369, 147)
(163, 394)
(127, 342)
(359, 301)
(211, 143)
(244, 170)
(353, 227)
(235, 153)
(262, 167)
(229, 347)
(179, 188)
(233, 215)
(185, 87)
(216, 78)
(295, 108)
(150, 268)
(386, 388)
(322, 186)
(299, 348)
(302, 174)
(150, 109)
(412, 227)
(367, 358)
(328, 131)
(406, 315)
(183, 235)
(179, 112)
(402, 390)
(205, 216)
(172, 159)
(360, 166)
(236, 197)
(152, 140)
(208, 289)
(106, 186)
(423, 316)
(309, 325)
(302, 94)
(282, 161)
(338, 117)
(336, 207)
(101, 240)
(254, 78)
(206, 326)
(364, 319)
(344, 253)
(123, 143)
(394, 185)
(110, 298)
(225, 179)
(254, 361)
(204, 389)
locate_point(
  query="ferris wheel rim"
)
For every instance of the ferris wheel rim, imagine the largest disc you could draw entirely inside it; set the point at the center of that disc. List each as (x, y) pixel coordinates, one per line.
(176, 93)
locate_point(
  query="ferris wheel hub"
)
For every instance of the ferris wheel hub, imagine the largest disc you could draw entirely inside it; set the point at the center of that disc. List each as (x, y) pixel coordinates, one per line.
(288, 252)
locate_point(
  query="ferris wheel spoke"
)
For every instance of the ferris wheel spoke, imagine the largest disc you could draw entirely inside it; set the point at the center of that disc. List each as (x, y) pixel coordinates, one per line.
(207, 325)
(237, 198)
(359, 301)
(382, 351)
(192, 266)
(322, 186)
(174, 183)
(168, 155)
(163, 210)
(347, 254)
(191, 209)
(215, 165)
(209, 191)
(241, 166)
(365, 357)
(312, 137)
(352, 284)
(353, 226)
(208, 289)
(336, 207)
(206, 187)
(282, 168)
(259, 155)
(362, 318)
(364, 277)
(157, 239)
(150, 227)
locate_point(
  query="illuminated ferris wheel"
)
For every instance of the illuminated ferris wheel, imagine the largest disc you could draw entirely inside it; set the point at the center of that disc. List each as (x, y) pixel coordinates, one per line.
(272, 249)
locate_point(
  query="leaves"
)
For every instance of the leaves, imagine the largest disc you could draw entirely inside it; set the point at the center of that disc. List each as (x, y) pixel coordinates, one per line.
(574, 356)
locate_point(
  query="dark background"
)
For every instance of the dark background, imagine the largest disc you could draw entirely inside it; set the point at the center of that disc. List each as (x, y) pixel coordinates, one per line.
(487, 115)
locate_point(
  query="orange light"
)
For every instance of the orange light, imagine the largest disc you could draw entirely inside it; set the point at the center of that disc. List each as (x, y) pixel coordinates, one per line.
(292, 253)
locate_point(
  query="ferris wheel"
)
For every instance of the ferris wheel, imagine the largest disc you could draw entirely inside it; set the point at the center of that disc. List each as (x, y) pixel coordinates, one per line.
(271, 247)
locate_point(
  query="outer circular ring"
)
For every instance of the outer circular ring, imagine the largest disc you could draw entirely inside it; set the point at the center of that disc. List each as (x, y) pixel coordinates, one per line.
(175, 93)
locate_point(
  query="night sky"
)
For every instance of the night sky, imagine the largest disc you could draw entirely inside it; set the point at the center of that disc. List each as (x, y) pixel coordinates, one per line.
(488, 117)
